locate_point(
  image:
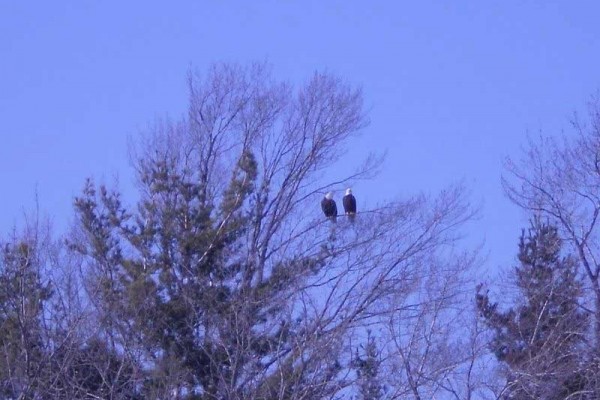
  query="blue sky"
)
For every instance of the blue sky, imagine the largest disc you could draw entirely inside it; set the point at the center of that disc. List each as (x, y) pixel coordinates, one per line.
(452, 87)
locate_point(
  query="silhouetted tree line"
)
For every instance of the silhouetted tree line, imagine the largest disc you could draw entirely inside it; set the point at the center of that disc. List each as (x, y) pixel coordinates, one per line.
(222, 280)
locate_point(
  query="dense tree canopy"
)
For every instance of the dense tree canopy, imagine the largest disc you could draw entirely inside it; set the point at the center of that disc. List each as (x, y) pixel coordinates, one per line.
(222, 279)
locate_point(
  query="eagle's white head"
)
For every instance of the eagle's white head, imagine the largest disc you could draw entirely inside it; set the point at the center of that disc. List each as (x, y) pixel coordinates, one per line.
(348, 191)
(329, 196)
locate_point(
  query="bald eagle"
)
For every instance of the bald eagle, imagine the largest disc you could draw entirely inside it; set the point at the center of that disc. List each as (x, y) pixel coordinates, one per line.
(329, 207)
(349, 205)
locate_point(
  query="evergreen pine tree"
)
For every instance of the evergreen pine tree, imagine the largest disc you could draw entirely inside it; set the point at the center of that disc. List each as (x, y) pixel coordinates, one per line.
(22, 296)
(367, 369)
(539, 339)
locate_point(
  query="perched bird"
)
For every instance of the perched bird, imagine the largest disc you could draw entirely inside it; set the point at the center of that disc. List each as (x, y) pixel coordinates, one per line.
(349, 202)
(329, 207)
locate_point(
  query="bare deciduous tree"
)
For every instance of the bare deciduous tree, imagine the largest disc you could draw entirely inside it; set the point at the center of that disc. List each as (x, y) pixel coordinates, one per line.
(226, 282)
(431, 343)
(560, 179)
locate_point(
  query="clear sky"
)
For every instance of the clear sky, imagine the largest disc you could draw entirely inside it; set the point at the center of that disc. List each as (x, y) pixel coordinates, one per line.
(452, 87)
